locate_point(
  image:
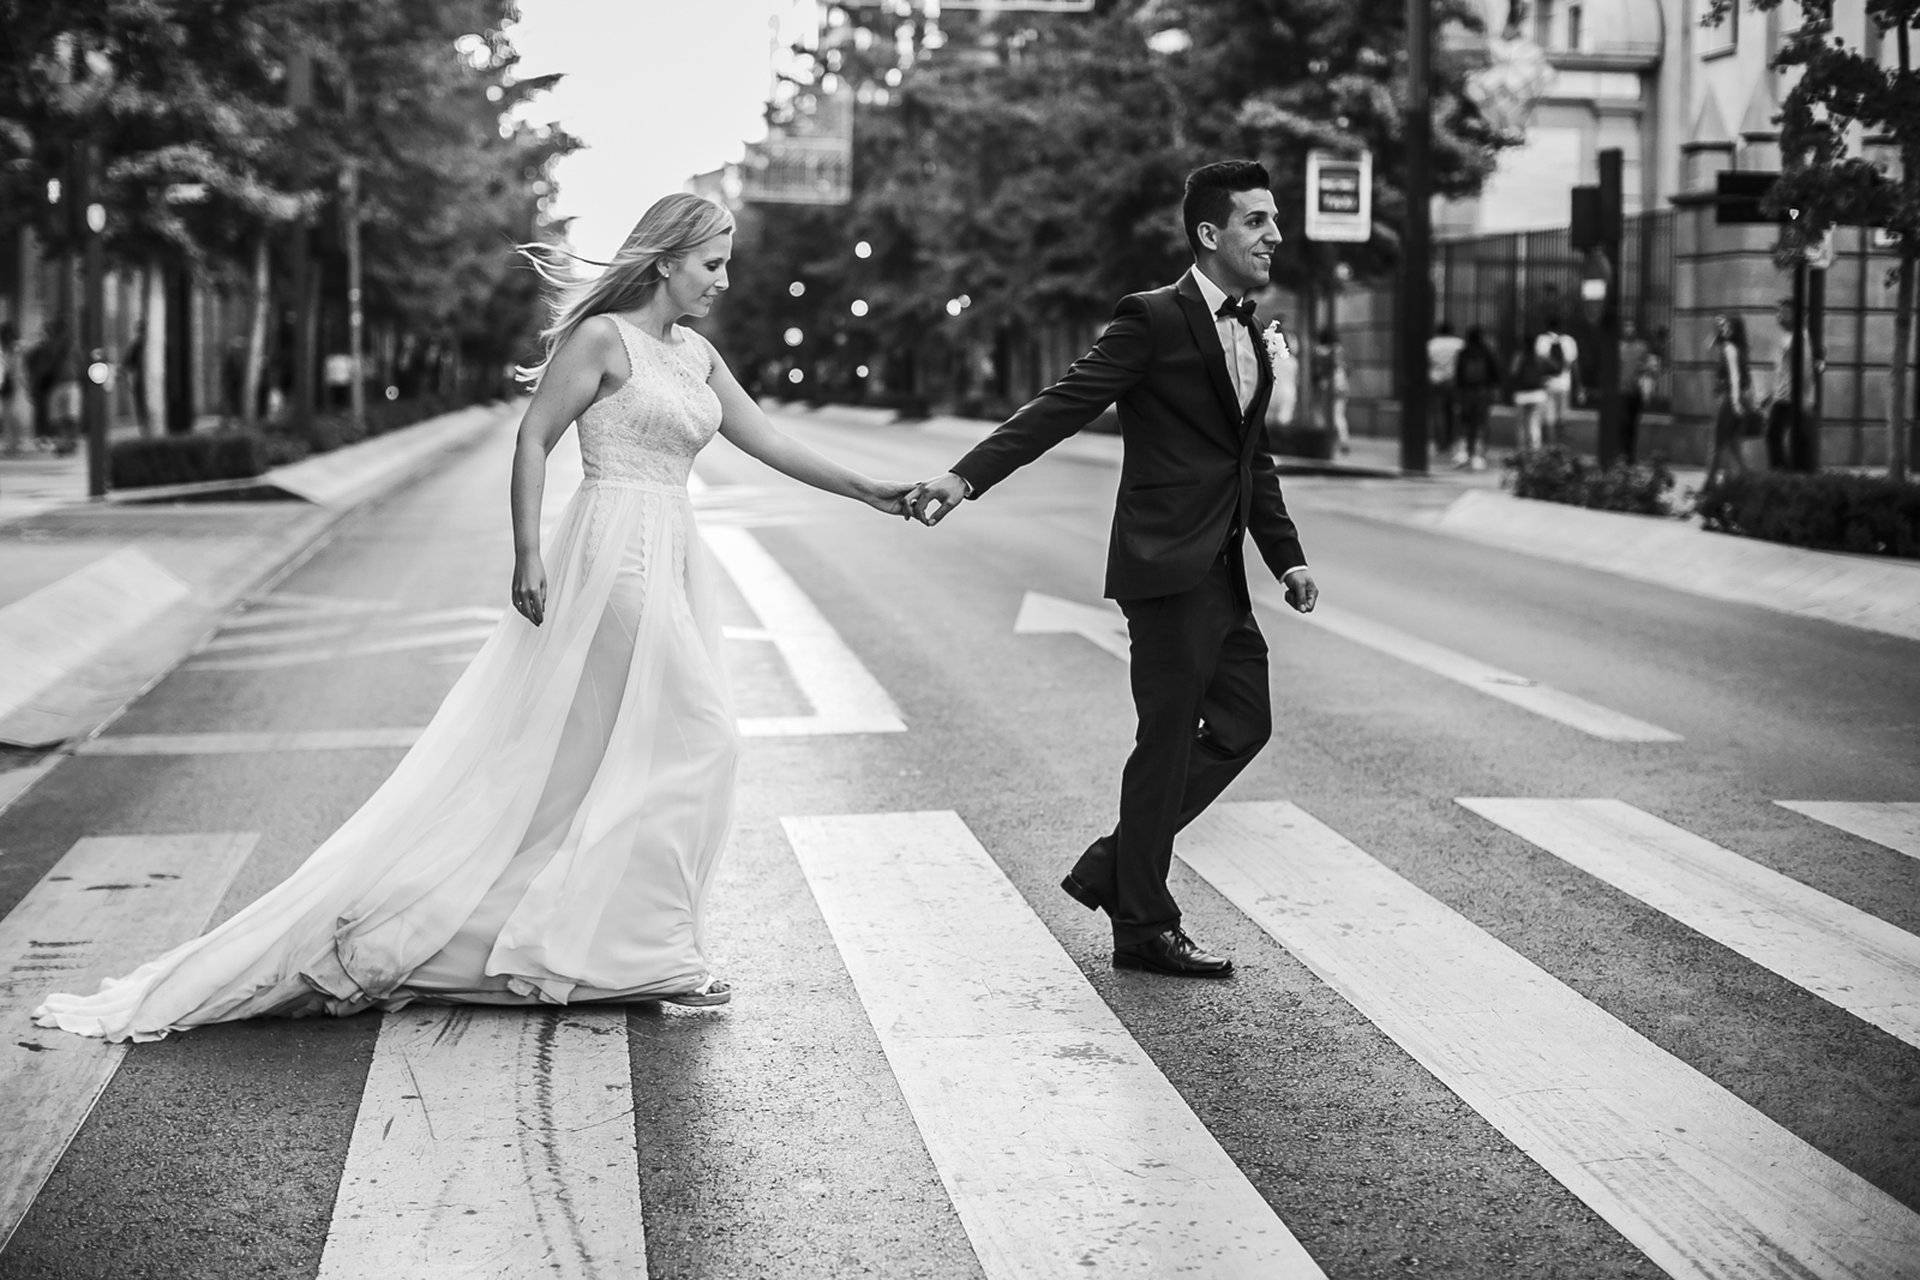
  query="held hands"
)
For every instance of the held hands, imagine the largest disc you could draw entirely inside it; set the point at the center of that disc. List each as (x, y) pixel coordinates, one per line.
(1302, 593)
(932, 500)
(530, 588)
(888, 496)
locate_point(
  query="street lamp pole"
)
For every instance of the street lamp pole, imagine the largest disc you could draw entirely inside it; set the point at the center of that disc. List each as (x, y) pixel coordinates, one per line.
(1416, 283)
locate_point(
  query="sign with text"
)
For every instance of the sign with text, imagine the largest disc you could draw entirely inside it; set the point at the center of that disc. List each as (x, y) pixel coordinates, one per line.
(1339, 197)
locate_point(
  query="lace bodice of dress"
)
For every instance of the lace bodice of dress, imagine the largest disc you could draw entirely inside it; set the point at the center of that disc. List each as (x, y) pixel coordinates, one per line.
(650, 429)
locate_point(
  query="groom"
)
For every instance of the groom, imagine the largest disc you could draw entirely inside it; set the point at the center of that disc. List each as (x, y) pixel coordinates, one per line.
(1191, 374)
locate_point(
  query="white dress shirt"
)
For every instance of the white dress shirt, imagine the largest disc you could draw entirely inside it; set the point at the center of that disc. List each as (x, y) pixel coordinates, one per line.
(1243, 362)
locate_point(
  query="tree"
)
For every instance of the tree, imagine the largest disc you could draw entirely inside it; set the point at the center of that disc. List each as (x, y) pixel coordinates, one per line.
(1845, 97)
(1032, 164)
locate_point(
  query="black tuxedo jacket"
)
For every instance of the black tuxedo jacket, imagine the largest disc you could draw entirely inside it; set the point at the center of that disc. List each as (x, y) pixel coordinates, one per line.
(1195, 475)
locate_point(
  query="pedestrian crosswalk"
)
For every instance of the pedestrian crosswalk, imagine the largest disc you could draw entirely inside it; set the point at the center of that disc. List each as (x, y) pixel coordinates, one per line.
(501, 1142)
(111, 903)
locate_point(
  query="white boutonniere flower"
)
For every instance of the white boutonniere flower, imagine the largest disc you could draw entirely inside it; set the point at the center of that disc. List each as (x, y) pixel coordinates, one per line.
(1277, 347)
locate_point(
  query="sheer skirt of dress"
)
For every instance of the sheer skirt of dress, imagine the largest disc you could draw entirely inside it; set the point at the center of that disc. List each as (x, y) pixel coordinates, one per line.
(549, 838)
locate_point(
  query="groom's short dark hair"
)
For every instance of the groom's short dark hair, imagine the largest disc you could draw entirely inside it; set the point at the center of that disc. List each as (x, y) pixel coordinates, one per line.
(1210, 191)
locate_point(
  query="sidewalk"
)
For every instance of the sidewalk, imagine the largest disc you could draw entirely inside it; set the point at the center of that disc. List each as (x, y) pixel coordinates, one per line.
(99, 598)
(1873, 593)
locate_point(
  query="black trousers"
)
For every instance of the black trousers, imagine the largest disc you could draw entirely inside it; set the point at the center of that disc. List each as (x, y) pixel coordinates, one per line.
(1199, 678)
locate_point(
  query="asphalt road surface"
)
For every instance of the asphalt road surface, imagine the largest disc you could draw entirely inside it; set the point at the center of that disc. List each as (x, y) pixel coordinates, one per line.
(1574, 921)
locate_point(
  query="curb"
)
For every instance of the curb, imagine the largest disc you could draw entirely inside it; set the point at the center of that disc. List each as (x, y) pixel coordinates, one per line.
(1873, 593)
(124, 622)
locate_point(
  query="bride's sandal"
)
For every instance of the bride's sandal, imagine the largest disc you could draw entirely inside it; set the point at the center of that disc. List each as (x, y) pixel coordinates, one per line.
(710, 992)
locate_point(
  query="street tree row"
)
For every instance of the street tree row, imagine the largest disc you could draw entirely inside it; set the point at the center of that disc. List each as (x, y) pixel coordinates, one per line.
(248, 143)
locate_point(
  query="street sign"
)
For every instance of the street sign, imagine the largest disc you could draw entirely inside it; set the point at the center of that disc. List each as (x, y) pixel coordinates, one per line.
(1339, 197)
(1820, 253)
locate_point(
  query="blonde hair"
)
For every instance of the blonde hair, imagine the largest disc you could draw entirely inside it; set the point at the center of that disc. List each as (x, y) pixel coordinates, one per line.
(672, 228)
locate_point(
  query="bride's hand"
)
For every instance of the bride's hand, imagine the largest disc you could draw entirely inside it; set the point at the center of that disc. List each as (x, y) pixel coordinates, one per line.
(888, 496)
(530, 589)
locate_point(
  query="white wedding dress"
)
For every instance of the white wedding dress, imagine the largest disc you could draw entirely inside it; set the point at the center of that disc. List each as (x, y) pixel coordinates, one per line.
(551, 836)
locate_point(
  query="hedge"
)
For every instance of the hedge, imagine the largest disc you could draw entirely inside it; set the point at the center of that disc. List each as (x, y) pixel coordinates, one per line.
(240, 455)
(1828, 512)
(1301, 442)
(226, 455)
(1557, 474)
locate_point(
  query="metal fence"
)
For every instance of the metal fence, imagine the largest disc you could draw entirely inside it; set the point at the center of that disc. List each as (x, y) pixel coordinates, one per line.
(1511, 285)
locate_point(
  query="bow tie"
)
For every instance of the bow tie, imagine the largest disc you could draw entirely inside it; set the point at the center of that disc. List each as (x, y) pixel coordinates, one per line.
(1241, 311)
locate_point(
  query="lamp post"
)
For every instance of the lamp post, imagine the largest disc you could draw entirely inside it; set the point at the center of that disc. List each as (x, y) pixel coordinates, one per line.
(1416, 283)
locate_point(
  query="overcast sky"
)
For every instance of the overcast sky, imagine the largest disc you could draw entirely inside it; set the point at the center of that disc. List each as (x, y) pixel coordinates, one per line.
(658, 89)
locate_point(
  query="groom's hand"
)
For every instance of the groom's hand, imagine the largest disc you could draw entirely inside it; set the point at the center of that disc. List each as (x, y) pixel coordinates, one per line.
(1302, 593)
(931, 500)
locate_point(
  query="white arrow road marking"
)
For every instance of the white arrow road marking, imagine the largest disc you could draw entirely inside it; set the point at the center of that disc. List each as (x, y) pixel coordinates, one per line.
(1705, 1185)
(1836, 951)
(1065, 1150)
(492, 1143)
(843, 694)
(1895, 824)
(1044, 614)
(112, 903)
(252, 632)
(333, 653)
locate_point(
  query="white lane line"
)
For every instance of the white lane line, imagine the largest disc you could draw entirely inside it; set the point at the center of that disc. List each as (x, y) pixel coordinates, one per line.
(843, 694)
(1705, 1185)
(113, 902)
(492, 1143)
(1529, 695)
(229, 744)
(1104, 626)
(1064, 1149)
(1895, 824)
(332, 653)
(1838, 952)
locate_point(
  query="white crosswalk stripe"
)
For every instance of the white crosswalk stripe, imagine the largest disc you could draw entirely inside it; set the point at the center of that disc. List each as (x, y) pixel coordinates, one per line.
(492, 1144)
(1701, 1182)
(1839, 952)
(1065, 1151)
(1894, 824)
(111, 903)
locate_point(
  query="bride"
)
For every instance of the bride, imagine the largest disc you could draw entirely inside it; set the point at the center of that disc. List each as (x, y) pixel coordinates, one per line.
(551, 836)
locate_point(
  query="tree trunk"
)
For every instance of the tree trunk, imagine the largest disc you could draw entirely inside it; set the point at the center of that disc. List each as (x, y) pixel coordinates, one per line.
(256, 334)
(1902, 347)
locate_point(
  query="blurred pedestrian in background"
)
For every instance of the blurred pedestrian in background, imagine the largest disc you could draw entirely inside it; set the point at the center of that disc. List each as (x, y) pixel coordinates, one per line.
(1476, 384)
(1331, 386)
(1286, 379)
(1562, 383)
(13, 400)
(1530, 373)
(1788, 441)
(1443, 349)
(1734, 412)
(1639, 374)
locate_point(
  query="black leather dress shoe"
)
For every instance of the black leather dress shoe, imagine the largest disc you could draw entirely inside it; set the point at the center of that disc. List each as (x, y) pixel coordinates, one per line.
(1172, 952)
(1083, 893)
